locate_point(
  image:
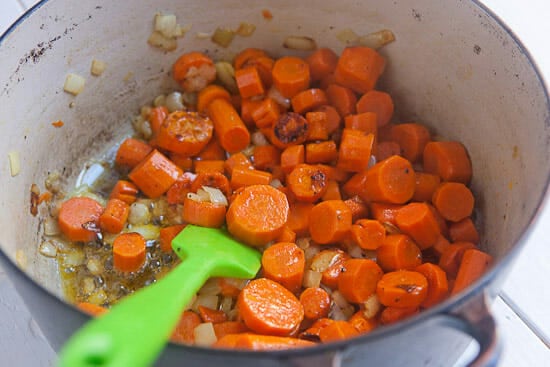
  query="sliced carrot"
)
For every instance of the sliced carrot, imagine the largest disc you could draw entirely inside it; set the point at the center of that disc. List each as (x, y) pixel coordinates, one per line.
(257, 342)
(358, 208)
(316, 303)
(332, 261)
(333, 192)
(194, 71)
(334, 173)
(209, 166)
(390, 181)
(167, 234)
(249, 82)
(269, 308)
(257, 214)
(125, 191)
(412, 138)
(237, 160)
(203, 213)
(266, 113)
(307, 182)
(449, 160)
(451, 257)
(183, 333)
(209, 315)
(224, 328)
(78, 219)
(330, 221)
(317, 126)
(338, 330)
(391, 315)
(386, 149)
(321, 63)
(185, 133)
(298, 218)
(355, 184)
(342, 98)
(355, 150)
(131, 152)
(248, 106)
(440, 246)
(266, 157)
(290, 129)
(308, 100)
(129, 252)
(312, 332)
(156, 118)
(402, 288)
(425, 186)
(288, 235)
(384, 213)
(228, 341)
(212, 151)
(212, 179)
(284, 263)
(358, 280)
(359, 68)
(398, 251)
(378, 102)
(453, 200)
(365, 122)
(333, 117)
(418, 221)
(438, 287)
(464, 230)
(246, 55)
(228, 126)
(179, 190)
(290, 75)
(91, 309)
(183, 161)
(243, 176)
(324, 152)
(291, 157)
(264, 66)
(209, 94)
(114, 217)
(474, 263)
(369, 234)
(155, 174)
(361, 323)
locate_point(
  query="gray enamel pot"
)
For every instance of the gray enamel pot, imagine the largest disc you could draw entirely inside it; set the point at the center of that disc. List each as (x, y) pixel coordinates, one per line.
(454, 67)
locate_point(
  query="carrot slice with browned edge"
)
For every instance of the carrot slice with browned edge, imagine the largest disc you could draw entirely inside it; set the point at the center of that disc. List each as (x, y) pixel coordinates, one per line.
(155, 174)
(449, 160)
(359, 68)
(338, 330)
(390, 181)
(267, 307)
(398, 251)
(290, 75)
(474, 263)
(203, 213)
(284, 262)
(228, 126)
(114, 217)
(402, 288)
(194, 71)
(185, 133)
(453, 200)
(329, 221)
(412, 138)
(129, 252)
(290, 128)
(246, 55)
(257, 214)
(307, 182)
(418, 221)
(316, 302)
(438, 287)
(78, 219)
(359, 279)
(379, 103)
(131, 152)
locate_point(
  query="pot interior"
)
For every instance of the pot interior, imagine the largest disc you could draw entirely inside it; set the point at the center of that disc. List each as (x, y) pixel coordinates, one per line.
(452, 67)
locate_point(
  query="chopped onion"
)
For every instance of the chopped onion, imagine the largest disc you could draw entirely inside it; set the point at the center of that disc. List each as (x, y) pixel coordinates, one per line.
(226, 305)
(303, 242)
(51, 228)
(348, 37)
(189, 98)
(205, 300)
(48, 249)
(159, 100)
(88, 285)
(145, 111)
(372, 306)
(73, 258)
(174, 102)
(276, 183)
(223, 36)
(281, 100)
(148, 231)
(98, 298)
(312, 279)
(216, 196)
(372, 161)
(323, 260)
(15, 164)
(391, 228)
(258, 138)
(300, 43)
(98, 67)
(339, 299)
(139, 214)
(166, 24)
(355, 251)
(74, 84)
(53, 182)
(211, 287)
(204, 334)
(377, 39)
(157, 39)
(95, 266)
(143, 127)
(248, 151)
(226, 75)
(310, 252)
(245, 29)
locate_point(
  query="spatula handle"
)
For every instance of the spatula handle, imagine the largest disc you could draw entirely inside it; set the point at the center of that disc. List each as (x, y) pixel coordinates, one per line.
(134, 331)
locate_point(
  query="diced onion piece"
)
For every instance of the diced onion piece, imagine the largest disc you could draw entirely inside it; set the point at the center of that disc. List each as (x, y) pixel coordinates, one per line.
(372, 161)
(226, 75)
(166, 24)
(223, 36)
(226, 305)
(74, 84)
(303, 242)
(274, 94)
(205, 300)
(88, 285)
(391, 228)
(310, 252)
(48, 249)
(216, 196)
(73, 258)
(348, 37)
(245, 29)
(339, 299)
(355, 251)
(202, 35)
(148, 231)
(204, 334)
(15, 163)
(53, 182)
(248, 151)
(300, 43)
(258, 138)
(50, 227)
(276, 183)
(174, 102)
(323, 260)
(157, 39)
(145, 111)
(377, 39)
(98, 67)
(211, 287)
(189, 98)
(159, 100)
(139, 214)
(21, 259)
(372, 306)
(98, 298)
(312, 279)
(95, 266)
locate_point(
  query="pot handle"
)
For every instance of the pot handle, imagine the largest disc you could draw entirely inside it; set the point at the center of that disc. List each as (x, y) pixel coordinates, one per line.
(474, 318)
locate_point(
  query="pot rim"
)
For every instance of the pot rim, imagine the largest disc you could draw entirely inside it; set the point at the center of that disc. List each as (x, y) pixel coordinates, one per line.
(443, 308)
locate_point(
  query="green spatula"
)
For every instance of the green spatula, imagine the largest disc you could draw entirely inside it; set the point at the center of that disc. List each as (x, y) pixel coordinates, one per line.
(134, 332)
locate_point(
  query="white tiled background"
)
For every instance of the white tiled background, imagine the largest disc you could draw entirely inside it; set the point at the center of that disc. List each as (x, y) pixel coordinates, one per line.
(521, 310)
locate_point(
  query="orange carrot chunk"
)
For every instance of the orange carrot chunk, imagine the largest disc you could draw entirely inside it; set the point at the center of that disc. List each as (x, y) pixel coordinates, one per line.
(317, 126)
(316, 302)
(307, 182)
(167, 234)
(386, 149)
(385, 213)
(403, 288)
(243, 176)
(298, 217)
(211, 179)
(131, 152)
(247, 55)
(358, 281)
(323, 152)
(454, 201)
(267, 307)
(438, 288)
(365, 122)
(391, 315)
(78, 219)
(369, 234)
(338, 330)
(155, 174)
(361, 323)
(329, 221)
(290, 129)
(474, 263)
(389, 181)
(291, 157)
(228, 126)
(398, 252)
(194, 71)
(284, 262)
(266, 157)
(425, 186)
(183, 333)
(249, 82)
(464, 230)
(418, 221)
(451, 257)
(156, 118)
(449, 160)
(378, 102)
(114, 217)
(209, 94)
(185, 133)
(257, 342)
(125, 191)
(210, 315)
(359, 68)
(266, 113)
(412, 138)
(342, 98)
(322, 62)
(308, 100)
(203, 213)
(129, 252)
(290, 75)
(355, 150)
(224, 328)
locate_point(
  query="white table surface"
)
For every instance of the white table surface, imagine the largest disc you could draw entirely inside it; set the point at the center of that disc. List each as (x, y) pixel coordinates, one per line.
(522, 312)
